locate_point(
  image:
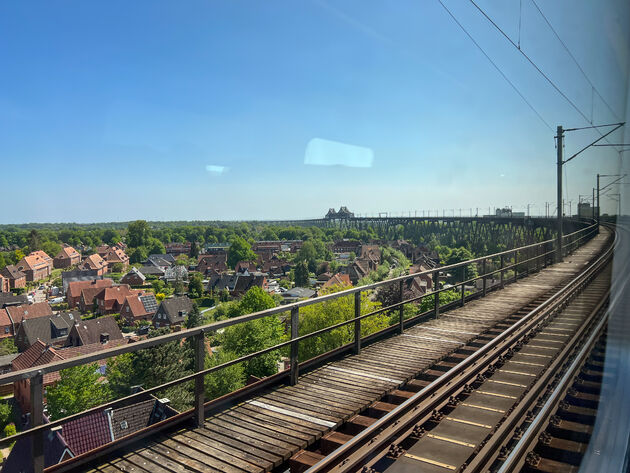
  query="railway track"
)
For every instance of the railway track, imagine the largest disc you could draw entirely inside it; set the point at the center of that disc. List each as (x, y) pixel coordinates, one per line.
(469, 411)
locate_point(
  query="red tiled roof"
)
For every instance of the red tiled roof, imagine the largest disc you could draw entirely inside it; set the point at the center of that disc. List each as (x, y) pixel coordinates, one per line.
(4, 318)
(68, 252)
(338, 280)
(87, 432)
(136, 306)
(117, 293)
(38, 354)
(115, 254)
(75, 287)
(72, 352)
(94, 262)
(37, 259)
(29, 311)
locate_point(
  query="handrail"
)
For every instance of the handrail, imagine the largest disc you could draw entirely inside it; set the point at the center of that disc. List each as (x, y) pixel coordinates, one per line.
(214, 326)
(35, 374)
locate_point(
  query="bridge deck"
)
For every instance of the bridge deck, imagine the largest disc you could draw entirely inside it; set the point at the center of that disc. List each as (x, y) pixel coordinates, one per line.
(265, 430)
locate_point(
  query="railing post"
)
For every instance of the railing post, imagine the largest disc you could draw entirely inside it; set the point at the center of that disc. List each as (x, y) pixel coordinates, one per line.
(401, 318)
(502, 272)
(436, 296)
(200, 355)
(357, 323)
(37, 418)
(463, 295)
(483, 270)
(515, 265)
(295, 372)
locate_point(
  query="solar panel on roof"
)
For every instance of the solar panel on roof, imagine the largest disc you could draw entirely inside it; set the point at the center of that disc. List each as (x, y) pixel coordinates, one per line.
(149, 303)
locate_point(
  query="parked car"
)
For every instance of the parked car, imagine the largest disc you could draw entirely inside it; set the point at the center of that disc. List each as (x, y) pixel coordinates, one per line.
(56, 300)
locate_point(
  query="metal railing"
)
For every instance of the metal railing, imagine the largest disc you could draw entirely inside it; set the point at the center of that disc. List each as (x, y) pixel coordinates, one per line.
(520, 261)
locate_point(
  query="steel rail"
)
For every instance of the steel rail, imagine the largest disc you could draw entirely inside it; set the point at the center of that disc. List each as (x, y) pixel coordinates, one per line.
(350, 455)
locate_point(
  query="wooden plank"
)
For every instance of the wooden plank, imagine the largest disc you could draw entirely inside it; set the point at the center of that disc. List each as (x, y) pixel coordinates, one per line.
(312, 390)
(327, 389)
(248, 457)
(248, 443)
(315, 405)
(297, 421)
(161, 460)
(145, 463)
(333, 383)
(178, 455)
(210, 456)
(261, 423)
(295, 405)
(244, 433)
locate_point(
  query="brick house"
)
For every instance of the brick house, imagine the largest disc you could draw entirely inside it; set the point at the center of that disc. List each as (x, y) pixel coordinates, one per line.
(207, 263)
(67, 257)
(5, 284)
(100, 330)
(172, 311)
(111, 299)
(17, 279)
(178, 248)
(52, 330)
(37, 265)
(346, 246)
(134, 278)
(138, 307)
(114, 255)
(96, 263)
(73, 294)
(18, 313)
(337, 280)
(6, 324)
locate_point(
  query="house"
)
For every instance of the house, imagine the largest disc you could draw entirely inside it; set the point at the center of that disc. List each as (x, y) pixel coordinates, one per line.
(245, 267)
(371, 253)
(89, 332)
(177, 249)
(95, 263)
(134, 278)
(37, 354)
(78, 275)
(52, 330)
(346, 246)
(172, 311)
(17, 279)
(244, 282)
(88, 432)
(216, 262)
(5, 284)
(358, 270)
(25, 312)
(67, 257)
(113, 255)
(138, 307)
(8, 298)
(338, 279)
(152, 270)
(75, 288)
(163, 261)
(37, 265)
(110, 299)
(296, 294)
(6, 324)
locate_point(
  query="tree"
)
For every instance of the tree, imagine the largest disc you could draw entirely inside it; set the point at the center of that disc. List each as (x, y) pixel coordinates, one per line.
(301, 274)
(7, 346)
(250, 337)
(158, 286)
(34, 241)
(111, 236)
(316, 317)
(240, 250)
(6, 412)
(194, 317)
(78, 389)
(225, 380)
(154, 366)
(194, 250)
(138, 254)
(117, 267)
(138, 233)
(51, 248)
(155, 247)
(195, 285)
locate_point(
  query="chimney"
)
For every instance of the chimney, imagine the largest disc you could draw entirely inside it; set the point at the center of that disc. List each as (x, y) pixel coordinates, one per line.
(104, 337)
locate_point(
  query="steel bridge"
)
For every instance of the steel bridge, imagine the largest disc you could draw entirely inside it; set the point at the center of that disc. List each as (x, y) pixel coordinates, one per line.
(317, 405)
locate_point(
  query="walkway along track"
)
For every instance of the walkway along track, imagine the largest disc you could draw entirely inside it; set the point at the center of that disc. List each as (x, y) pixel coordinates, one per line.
(460, 421)
(265, 430)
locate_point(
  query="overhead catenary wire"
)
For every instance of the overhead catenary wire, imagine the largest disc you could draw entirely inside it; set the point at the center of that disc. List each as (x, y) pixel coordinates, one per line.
(496, 66)
(534, 65)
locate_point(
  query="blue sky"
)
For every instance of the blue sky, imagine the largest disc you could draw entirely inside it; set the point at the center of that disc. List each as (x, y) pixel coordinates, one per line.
(205, 110)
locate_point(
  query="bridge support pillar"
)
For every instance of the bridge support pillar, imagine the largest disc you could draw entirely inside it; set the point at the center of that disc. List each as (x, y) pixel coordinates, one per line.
(295, 364)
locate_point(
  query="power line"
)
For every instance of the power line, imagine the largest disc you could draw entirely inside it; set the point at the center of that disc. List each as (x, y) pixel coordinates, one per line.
(594, 89)
(495, 65)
